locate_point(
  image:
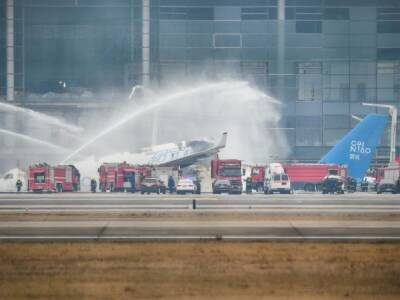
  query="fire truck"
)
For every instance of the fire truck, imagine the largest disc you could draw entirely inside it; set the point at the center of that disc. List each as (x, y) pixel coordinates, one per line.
(257, 177)
(391, 172)
(116, 177)
(309, 177)
(60, 178)
(121, 177)
(228, 169)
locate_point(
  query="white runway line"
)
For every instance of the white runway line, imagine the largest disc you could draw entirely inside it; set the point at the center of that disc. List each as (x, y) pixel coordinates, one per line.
(207, 237)
(200, 224)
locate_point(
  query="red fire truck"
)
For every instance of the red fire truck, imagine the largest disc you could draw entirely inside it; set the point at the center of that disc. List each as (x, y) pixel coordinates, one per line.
(257, 177)
(228, 169)
(390, 172)
(309, 177)
(46, 178)
(120, 177)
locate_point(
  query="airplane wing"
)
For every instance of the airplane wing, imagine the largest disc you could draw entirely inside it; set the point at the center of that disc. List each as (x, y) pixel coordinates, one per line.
(194, 157)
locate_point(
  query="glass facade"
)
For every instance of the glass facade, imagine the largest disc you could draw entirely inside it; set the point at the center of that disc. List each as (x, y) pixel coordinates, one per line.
(321, 58)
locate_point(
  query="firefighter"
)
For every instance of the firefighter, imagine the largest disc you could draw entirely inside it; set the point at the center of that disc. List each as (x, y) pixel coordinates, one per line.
(93, 185)
(351, 185)
(171, 184)
(364, 185)
(249, 185)
(18, 184)
(198, 186)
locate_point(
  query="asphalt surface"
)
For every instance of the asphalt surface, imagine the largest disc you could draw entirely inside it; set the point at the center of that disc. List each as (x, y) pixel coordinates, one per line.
(151, 229)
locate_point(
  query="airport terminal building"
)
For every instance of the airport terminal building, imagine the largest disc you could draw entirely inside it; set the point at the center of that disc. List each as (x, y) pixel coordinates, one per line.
(321, 58)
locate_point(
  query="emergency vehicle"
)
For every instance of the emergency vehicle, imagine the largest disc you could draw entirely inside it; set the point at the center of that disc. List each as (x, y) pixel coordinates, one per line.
(46, 178)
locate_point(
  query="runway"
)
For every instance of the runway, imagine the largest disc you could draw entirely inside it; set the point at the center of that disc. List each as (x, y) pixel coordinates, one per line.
(152, 227)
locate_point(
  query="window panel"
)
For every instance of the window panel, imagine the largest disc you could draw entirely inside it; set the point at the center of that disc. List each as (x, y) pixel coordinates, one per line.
(257, 40)
(335, 27)
(336, 81)
(336, 53)
(308, 136)
(337, 108)
(255, 54)
(227, 13)
(332, 136)
(308, 121)
(357, 27)
(388, 40)
(368, 80)
(337, 94)
(361, 93)
(363, 40)
(172, 41)
(199, 53)
(197, 26)
(336, 121)
(227, 40)
(199, 40)
(309, 81)
(303, 40)
(388, 27)
(227, 53)
(227, 27)
(362, 68)
(388, 53)
(308, 27)
(336, 13)
(169, 27)
(336, 68)
(336, 40)
(254, 26)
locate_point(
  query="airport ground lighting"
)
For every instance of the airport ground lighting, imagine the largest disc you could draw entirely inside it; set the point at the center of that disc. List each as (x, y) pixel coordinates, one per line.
(393, 114)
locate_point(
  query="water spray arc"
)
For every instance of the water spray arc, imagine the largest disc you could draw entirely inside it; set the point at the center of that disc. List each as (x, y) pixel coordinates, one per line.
(39, 116)
(154, 105)
(34, 140)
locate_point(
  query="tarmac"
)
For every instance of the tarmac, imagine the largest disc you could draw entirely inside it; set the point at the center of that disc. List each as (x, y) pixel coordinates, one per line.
(24, 206)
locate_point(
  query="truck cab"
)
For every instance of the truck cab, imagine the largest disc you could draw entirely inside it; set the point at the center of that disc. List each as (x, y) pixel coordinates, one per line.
(257, 178)
(228, 169)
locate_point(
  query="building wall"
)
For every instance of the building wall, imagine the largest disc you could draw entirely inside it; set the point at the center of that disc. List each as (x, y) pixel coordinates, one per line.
(336, 54)
(2, 48)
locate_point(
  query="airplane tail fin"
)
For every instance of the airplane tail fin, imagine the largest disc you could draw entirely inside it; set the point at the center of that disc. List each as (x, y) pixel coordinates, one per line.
(357, 148)
(222, 142)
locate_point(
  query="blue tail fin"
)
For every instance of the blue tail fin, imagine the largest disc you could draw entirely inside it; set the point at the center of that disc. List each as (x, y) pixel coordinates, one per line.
(357, 148)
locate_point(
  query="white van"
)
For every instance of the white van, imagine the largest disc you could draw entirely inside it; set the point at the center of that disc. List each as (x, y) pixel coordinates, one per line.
(276, 180)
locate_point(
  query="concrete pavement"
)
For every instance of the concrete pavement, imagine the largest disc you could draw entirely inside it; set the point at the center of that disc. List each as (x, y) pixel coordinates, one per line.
(156, 229)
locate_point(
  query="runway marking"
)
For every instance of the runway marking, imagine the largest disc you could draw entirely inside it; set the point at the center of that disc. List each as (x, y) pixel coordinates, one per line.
(197, 211)
(207, 237)
(200, 224)
(201, 206)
